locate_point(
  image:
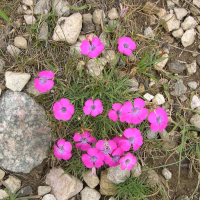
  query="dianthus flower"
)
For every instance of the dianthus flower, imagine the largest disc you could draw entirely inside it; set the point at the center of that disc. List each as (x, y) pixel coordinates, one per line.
(95, 108)
(106, 146)
(116, 112)
(128, 161)
(126, 45)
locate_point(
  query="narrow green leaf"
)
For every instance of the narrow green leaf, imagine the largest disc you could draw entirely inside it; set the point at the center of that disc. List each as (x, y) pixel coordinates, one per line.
(4, 16)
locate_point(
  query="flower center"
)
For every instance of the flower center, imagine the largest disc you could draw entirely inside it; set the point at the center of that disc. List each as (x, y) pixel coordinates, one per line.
(115, 158)
(61, 150)
(63, 109)
(93, 107)
(92, 47)
(126, 45)
(93, 158)
(134, 111)
(159, 119)
(43, 80)
(84, 140)
(106, 150)
(127, 161)
(131, 140)
(118, 113)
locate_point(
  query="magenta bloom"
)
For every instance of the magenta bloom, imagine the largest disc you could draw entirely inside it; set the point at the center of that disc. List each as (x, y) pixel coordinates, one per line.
(63, 150)
(158, 119)
(92, 49)
(114, 160)
(126, 45)
(83, 139)
(106, 146)
(132, 136)
(134, 114)
(116, 112)
(95, 158)
(128, 161)
(43, 84)
(63, 109)
(95, 108)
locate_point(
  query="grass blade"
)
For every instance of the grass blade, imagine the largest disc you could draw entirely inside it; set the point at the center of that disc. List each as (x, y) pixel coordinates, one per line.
(4, 16)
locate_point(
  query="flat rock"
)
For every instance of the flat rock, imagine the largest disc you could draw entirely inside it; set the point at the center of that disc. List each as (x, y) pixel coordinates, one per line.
(14, 51)
(158, 99)
(16, 81)
(30, 20)
(166, 173)
(68, 28)
(191, 68)
(178, 33)
(24, 132)
(42, 190)
(113, 14)
(148, 97)
(171, 24)
(43, 32)
(195, 120)
(98, 15)
(193, 85)
(42, 7)
(188, 37)
(160, 65)
(65, 186)
(3, 194)
(49, 197)
(13, 183)
(20, 42)
(189, 23)
(61, 8)
(180, 88)
(176, 67)
(75, 49)
(136, 170)
(180, 13)
(90, 194)
(91, 180)
(151, 135)
(195, 103)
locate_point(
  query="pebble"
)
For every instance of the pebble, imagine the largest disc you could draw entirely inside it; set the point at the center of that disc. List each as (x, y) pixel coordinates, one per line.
(183, 197)
(91, 180)
(133, 82)
(113, 14)
(150, 8)
(111, 198)
(16, 81)
(61, 8)
(27, 2)
(158, 99)
(136, 170)
(42, 190)
(26, 191)
(113, 23)
(43, 32)
(195, 102)
(87, 17)
(153, 20)
(176, 67)
(188, 23)
(88, 27)
(20, 42)
(81, 38)
(90, 194)
(171, 24)
(180, 88)
(166, 173)
(193, 85)
(31, 88)
(111, 57)
(30, 20)
(183, 98)
(49, 197)
(3, 194)
(104, 40)
(188, 37)
(191, 68)
(180, 13)
(198, 60)
(75, 49)
(162, 12)
(194, 11)
(42, 7)
(14, 51)
(2, 65)
(164, 135)
(2, 174)
(195, 120)
(13, 183)
(153, 178)
(151, 135)
(170, 4)
(196, 3)
(160, 65)
(148, 32)
(148, 97)
(178, 33)
(97, 16)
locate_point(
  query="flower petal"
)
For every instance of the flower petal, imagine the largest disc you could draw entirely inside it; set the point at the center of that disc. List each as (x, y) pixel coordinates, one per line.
(93, 54)
(66, 155)
(162, 126)
(117, 106)
(152, 117)
(100, 145)
(127, 107)
(58, 114)
(99, 48)
(132, 45)
(96, 41)
(85, 47)
(143, 113)
(56, 153)
(139, 103)
(93, 151)
(66, 116)
(86, 160)
(40, 87)
(77, 137)
(91, 139)
(127, 51)
(123, 166)
(98, 103)
(89, 103)
(112, 144)
(154, 127)
(70, 109)
(112, 115)
(125, 145)
(64, 102)
(49, 84)
(98, 163)
(61, 142)
(47, 74)
(85, 147)
(129, 166)
(86, 110)
(57, 106)
(67, 146)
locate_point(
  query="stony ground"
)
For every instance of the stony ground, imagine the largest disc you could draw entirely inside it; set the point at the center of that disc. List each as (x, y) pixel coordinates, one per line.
(163, 70)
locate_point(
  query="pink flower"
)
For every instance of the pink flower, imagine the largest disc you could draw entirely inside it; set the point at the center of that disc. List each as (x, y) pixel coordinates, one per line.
(114, 160)
(134, 114)
(126, 45)
(95, 108)
(158, 119)
(123, 11)
(132, 136)
(63, 109)
(128, 161)
(95, 158)
(116, 112)
(93, 49)
(106, 146)
(63, 150)
(43, 83)
(83, 139)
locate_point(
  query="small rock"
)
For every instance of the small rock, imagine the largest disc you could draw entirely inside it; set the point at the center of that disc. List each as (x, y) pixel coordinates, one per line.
(198, 60)
(24, 7)
(183, 197)
(188, 23)
(171, 24)
(91, 180)
(111, 198)
(28, 12)
(151, 135)
(148, 97)
(160, 65)
(87, 17)
(75, 49)
(113, 14)
(14, 51)
(28, 2)
(88, 26)
(150, 8)
(180, 13)
(2, 65)
(180, 88)
(195, 120)
(42, 190)
(49, 197)
(141, 87)
(158, 99)
(164, 135)
(20, 42)
(81, 38)
(26, 191)
(166, 173)
(116, 175)
(98, 15)
(153, 20)
(42, 7)
(193, 85)
(90, 194)
(113, 23)
(196, 3)
(43, 32)
(178, 33)
(16, 81)
(111, 57)
(148, 32)
(153, 178)
(13, 183)
(194, 11)
(188, 38)
(104, 40)
(3, 194)
(176, 2)
(191, 68)
(162, 12)
(183, 98)
(170, 4)
(176, 67)
(136, 170)
(2, 174)
(30, 20)
(133, 82)
(31, 88)
(61, 8)
(198, 28)
(195, 102)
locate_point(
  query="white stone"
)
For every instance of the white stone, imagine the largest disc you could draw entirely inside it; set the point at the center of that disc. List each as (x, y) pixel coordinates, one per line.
(148, 97)
(159, 99)
(42, 190)
(24, 7)
(75, 49)
(133, 82)
(188, 23)
(113, 14)
(151, 134)
(91, 180)
(97, 16)
(178, 33)
(28, 12)
(90, 194)
(42, 7)
(68, 28)
(3, 194)
(2, 174)
(162, 12)
(195, 120)
(29, 19)
(148, 32)
(193, 85)
(166, 173)
(188, 38)
(13, 183)
(195, 102)
(160, 65)
(61, 8)
(28, 2)
(43, 32)
(170, 4)
(20, 42)
(111, 57)
(191, 68)
(14, 51)
(196, 3)
(136, 170)
(16, 81)
(49, 197)
(111, 198)
(104, 40)
(171, 23)
(87, 17)
(180, 13)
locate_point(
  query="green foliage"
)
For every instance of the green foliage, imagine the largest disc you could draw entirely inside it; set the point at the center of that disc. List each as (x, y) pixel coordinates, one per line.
(4, 16)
